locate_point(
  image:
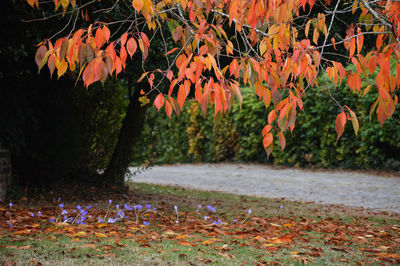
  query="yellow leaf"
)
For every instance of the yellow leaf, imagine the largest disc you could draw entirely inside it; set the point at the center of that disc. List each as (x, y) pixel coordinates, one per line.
(62, 224)
(101, 225)
(61, 68)
(275, 241)
(81, 234)
(208, 242)
(307, 29)
(288, 225)
(101, 235)
(268, 245)
(263, 47)
(169, 233)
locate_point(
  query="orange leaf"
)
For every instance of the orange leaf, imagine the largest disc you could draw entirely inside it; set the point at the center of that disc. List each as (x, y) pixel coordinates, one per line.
(171, 51)
(99, 38)
(352, 47)
(170, 75)
(340, 124)
(252, 16)
(106, 33)
(184, 243)
(398, 74)
(266, 129)
(177, 33)
(131, 46)
(282, 140)
(137, 4)
(333, 42)
(146, 40)
(159, 101)
(168, 109)
(267, 141)
(271, 116)
(181, 95)
(123, 38)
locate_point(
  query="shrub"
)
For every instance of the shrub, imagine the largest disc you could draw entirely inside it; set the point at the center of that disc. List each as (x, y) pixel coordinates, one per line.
(236, 136)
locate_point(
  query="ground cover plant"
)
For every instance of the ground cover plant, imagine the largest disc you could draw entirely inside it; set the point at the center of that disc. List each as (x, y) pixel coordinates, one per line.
(165, 225)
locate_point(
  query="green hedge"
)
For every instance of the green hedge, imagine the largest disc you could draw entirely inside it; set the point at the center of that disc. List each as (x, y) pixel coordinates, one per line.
(236, 136)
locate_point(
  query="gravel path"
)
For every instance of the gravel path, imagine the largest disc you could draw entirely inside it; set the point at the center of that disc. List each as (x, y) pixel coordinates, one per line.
(347, 188)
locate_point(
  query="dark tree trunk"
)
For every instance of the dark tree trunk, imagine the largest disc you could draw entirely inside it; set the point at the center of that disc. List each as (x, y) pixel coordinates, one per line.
(128, 137)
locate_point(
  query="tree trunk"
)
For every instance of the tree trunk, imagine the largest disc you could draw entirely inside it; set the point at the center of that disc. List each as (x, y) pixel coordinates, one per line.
(128, 137)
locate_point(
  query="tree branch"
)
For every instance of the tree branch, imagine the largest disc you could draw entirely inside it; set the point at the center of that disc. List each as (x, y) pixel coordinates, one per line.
(376, 15)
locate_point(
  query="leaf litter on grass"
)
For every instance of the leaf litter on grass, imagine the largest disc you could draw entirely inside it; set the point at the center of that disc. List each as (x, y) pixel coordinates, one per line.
(201, 235)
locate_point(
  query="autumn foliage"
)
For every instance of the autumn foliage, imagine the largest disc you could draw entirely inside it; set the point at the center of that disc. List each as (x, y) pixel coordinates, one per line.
(277, 47)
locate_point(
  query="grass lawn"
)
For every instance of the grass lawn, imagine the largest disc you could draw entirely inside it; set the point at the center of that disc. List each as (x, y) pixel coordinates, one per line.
(227, 229)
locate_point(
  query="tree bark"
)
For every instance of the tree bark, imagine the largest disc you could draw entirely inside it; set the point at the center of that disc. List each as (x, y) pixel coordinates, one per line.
(128, 137)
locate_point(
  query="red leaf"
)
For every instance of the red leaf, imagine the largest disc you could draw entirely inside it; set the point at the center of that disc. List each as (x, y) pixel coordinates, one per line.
(131, 46)
(340, 124)
(159, 101)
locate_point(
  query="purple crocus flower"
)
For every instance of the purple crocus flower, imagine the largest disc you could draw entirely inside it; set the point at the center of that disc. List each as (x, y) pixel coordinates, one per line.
(146, 223)
(111, 220)
(127, 207)
(211, 208)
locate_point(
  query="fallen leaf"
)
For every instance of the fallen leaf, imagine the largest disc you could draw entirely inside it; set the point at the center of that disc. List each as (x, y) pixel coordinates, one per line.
(89, 246)
(107, 255)
(288, 225)
(24, 247)
(51, 237)
(101, 225)
(81, 234)
(101, 235)
(182, 256)
(184, 243)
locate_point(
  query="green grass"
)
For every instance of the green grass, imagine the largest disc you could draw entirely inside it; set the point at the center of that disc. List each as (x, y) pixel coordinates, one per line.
(298, 233)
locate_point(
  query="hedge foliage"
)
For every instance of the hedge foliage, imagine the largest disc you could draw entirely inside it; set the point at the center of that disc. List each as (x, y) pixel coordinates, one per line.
(236, 136)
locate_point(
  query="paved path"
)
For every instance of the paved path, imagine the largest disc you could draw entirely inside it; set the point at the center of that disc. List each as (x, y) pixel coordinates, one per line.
(348, 188)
